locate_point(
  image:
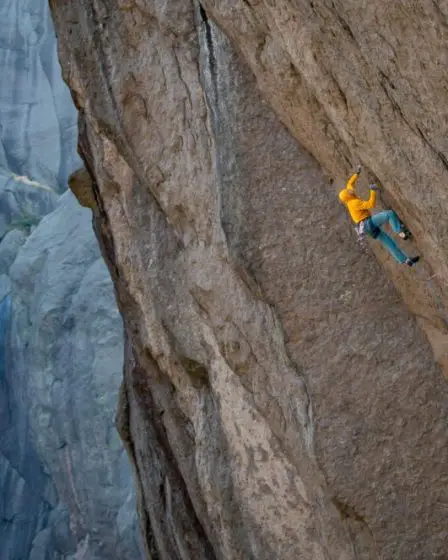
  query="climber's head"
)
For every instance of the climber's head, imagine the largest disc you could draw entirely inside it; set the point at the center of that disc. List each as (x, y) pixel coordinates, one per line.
(345, 195)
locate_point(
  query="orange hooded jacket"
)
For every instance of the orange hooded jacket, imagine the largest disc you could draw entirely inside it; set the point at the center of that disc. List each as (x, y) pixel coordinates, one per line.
(359, 209)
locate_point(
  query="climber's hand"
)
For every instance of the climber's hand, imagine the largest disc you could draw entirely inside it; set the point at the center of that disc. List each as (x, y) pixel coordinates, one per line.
(358, 169)
(374, 187)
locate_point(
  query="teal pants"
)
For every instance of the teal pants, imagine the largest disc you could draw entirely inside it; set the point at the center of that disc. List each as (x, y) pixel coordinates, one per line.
(378, 220)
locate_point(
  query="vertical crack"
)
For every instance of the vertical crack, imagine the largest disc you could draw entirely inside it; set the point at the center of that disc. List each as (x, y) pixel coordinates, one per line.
(210, 49)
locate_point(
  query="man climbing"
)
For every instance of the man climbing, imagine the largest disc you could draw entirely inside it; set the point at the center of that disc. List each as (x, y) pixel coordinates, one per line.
(369, 224)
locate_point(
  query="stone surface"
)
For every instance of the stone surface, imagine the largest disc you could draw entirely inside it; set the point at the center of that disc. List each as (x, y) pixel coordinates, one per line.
(66, 352)
(28, 494)
(80, 183)
(9, 247)
(38, 122)
(364, 82)
(23, 204)
(280, 400)
(40, 467)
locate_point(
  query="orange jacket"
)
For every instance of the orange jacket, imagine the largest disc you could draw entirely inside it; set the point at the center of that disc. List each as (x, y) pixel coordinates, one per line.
(359, 209)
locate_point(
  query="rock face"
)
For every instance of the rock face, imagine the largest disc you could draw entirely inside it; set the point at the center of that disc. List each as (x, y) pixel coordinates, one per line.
(38, 120)
(280, 399)
(60, 385)
(23, 511)
(33, 523)
(66, 484)
(38, 130)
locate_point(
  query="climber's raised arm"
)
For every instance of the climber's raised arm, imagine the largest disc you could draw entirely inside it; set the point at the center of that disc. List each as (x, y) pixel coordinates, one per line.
(351, 183)
(369, 204)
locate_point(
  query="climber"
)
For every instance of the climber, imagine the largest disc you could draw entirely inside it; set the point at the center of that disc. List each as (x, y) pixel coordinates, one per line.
(369, 224)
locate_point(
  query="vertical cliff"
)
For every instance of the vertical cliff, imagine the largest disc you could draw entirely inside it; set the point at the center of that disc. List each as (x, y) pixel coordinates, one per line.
(66, 482)
(37, 152)
(280, 399)
(38, 129)
(26, 490)
(65, 349)
(38, 120)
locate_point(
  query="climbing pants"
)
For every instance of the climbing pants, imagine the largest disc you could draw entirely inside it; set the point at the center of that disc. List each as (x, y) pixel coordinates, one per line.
(376, 232)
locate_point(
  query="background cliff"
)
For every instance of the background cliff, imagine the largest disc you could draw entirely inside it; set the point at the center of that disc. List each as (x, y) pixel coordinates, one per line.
(66, 483)
(63, 372)
(283, 393)
(38, 129)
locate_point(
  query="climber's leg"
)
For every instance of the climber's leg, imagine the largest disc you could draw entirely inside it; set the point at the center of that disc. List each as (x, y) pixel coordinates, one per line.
(388, 216)
(391, 246)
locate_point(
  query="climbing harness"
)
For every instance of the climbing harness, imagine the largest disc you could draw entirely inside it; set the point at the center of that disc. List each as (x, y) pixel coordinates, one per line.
(364, 228)
(362, 236)
(361, 233)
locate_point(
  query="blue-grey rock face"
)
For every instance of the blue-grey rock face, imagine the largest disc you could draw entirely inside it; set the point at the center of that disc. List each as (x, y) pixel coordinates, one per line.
(28, 494)
(60, 378)
(22, 205)
(66, 485)
(37, 116)
(37, 152)
(38, 122)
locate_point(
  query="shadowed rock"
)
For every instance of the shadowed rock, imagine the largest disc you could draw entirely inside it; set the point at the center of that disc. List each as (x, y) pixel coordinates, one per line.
(81, 184)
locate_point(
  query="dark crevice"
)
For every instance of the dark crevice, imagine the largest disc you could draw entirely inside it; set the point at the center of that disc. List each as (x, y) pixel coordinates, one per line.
(349, 514)
(435, 151)
(143, 376)
(101, 223)
(392, 100)
(345, 26)
(103, 231)
(340, 90)
(347, 511)
(211, 49)
(179, 70)
(123, 425)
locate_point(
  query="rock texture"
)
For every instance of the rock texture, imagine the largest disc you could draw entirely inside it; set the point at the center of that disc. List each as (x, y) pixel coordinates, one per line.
(38, 130)
(33, 524)
(66, 483)
(23, 204)
(26, 490)
(280, 400)
(60, 384)
(38, 120)
(66, 491)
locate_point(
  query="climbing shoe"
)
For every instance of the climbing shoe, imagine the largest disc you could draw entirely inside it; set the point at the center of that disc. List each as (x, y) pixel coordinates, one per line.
(411, 262)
